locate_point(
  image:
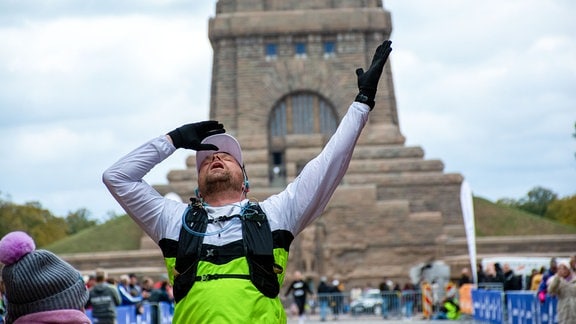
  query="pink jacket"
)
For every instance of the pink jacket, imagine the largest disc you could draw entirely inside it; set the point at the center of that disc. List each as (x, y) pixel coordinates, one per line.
(60, 316)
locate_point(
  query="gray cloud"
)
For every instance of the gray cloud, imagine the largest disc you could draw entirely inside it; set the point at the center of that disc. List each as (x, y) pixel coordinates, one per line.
(23, 11)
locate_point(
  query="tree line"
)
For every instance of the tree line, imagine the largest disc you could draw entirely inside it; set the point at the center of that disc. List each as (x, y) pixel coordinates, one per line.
(545, 203)
(40, 223)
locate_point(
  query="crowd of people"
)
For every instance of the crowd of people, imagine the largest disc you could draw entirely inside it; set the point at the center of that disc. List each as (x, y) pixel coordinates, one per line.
(558, 280)
(330, 298)
(301, 297)
(503, 276)
(106, 293)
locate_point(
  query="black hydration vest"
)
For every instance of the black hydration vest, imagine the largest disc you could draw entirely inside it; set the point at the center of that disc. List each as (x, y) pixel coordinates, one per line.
(256, 245)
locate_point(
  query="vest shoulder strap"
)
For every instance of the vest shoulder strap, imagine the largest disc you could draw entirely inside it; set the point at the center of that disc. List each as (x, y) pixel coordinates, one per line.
(189, 249)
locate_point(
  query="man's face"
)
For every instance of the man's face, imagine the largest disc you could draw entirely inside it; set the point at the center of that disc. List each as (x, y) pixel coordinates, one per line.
(218, 172)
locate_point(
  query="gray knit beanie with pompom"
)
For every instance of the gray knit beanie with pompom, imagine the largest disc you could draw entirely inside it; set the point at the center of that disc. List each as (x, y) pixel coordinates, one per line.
(37, 280)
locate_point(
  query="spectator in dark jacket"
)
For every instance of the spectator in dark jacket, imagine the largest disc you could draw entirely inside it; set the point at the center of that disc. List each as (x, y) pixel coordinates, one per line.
(480, 274)
(162, 294)
(511, 280)
(103, 300)
(464, 277)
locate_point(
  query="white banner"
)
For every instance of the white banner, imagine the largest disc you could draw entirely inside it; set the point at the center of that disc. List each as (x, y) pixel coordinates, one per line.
(468, 213)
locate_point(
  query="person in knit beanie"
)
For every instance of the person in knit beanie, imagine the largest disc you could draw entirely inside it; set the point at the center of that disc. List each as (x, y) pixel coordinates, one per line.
(41, 288)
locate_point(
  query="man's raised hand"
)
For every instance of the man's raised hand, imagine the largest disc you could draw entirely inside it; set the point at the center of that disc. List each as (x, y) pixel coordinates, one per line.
(190, 136)
(368, 81)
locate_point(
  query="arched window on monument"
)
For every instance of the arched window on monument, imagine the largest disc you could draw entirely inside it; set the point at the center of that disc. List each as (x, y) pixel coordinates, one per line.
(296, 113)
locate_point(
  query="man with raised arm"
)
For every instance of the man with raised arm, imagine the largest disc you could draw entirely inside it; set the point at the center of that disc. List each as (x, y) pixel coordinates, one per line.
(226, 255)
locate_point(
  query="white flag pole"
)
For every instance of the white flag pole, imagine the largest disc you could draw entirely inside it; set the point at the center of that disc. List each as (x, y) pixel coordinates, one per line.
(468, 214)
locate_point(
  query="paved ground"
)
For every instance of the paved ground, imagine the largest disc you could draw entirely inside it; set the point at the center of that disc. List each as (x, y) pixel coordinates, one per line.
(346, 319)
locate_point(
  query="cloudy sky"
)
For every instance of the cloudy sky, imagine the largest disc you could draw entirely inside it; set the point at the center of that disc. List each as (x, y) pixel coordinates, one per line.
(489, 87)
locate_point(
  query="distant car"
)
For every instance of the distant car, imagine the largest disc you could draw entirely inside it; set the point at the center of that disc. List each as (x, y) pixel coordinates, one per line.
(370, 302)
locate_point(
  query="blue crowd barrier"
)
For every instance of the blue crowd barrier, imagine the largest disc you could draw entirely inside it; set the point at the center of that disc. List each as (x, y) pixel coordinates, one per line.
(153, 313)
(522, 307)
(487, 305)
(547, 311)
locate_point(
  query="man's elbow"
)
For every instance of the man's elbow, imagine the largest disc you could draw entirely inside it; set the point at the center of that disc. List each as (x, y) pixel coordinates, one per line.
(110, 177)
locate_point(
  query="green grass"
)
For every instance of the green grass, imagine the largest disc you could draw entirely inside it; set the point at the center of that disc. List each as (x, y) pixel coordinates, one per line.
(117, 234)
(122, 234)
(496, 220)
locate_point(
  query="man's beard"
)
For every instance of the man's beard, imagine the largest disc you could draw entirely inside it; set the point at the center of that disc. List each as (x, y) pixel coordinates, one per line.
(220, 182)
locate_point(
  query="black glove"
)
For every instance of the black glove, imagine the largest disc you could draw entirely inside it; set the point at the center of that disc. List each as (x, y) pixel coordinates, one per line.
(190, 135)
(368, 81)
